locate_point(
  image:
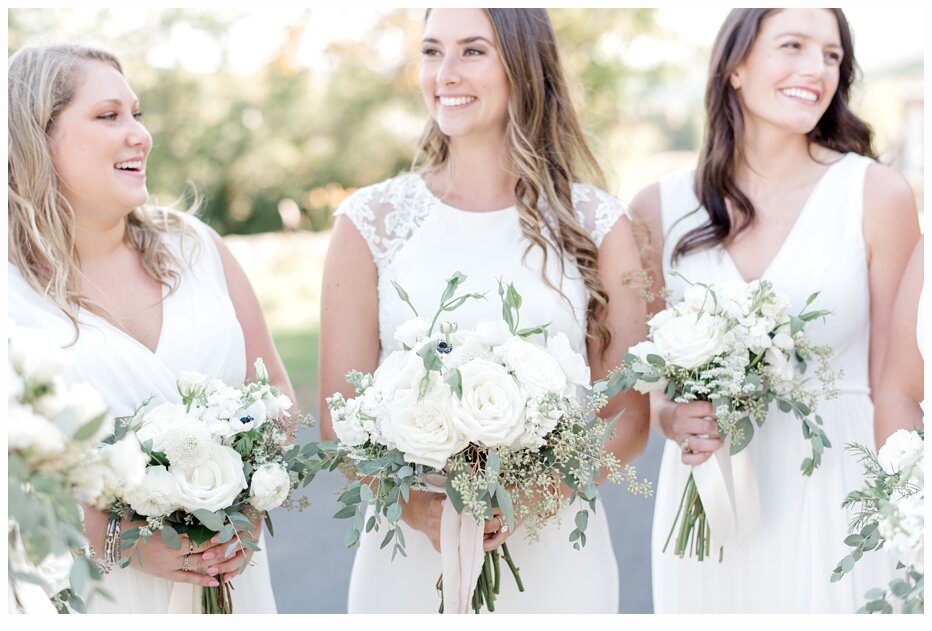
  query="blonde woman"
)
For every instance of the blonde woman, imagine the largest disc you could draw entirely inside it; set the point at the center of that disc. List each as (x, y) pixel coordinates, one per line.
(498, 194)
(135, 294)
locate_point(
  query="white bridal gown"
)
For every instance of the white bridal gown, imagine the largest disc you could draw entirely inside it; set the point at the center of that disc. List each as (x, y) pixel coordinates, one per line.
(419, 242)
(200, 332)
(785, 564)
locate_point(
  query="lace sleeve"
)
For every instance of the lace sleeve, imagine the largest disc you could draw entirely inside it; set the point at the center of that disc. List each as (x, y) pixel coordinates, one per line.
(385, 214)
(597, 211)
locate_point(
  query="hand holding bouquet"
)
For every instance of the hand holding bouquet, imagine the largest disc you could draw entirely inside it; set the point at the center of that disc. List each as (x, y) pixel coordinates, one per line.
(736, 346)
(493, 411)
(217, 463)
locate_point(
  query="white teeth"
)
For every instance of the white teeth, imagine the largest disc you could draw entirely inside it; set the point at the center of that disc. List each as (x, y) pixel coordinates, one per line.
(129, 164)
(452, 101)
(805, 95)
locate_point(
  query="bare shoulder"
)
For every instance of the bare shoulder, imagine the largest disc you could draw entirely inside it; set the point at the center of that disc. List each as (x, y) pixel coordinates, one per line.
(887, 192)
(646, 204)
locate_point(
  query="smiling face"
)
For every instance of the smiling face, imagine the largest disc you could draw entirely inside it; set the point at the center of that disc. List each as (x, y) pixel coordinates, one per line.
(791, 73)
(99, 147)
(462, 75)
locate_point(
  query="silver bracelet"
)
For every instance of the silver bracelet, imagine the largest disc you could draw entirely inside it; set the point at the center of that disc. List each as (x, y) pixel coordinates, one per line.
(111, 544)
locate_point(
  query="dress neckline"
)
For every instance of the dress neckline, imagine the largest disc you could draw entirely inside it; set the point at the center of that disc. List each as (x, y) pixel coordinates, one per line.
(793, 229)
(439, 202)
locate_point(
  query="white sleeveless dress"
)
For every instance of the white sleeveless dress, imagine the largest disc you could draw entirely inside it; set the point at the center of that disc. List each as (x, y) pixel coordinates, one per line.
(200, 332)
(419, 242)
(785, 564)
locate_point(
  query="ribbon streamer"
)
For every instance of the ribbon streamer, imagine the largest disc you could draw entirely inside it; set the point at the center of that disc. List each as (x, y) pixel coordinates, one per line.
(462, 557)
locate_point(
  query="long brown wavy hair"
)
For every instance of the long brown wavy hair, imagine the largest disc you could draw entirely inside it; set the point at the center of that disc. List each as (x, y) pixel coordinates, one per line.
(546, 147)
(42, 82)
(723, 143)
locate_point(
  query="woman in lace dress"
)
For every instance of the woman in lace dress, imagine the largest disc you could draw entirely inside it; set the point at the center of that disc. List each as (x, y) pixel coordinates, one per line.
(134, 294)
(786, 189)
(498, 195)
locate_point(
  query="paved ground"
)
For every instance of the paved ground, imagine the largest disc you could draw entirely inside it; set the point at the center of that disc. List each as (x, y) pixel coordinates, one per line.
(311, 567)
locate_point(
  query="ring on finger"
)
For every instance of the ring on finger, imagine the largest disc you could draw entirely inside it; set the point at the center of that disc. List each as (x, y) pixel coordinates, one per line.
(186, 563)
(685, 445)
(502, 523)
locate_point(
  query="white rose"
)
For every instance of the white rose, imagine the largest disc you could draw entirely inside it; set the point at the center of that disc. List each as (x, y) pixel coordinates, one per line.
(409, 333)
(661, 318)
(690, 341)
(191, 383)
(34, 356)
(127, 460)
(572, 363)
(270, 486)
(402, 370)
(31, 433)
(491, 411)
(902, 449)
(157, 494)
(493, 332)
(698, 298)
(423, 430)
(533, 366)
(212, 482)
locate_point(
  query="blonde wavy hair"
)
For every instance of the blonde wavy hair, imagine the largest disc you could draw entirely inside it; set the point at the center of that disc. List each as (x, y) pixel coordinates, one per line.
(546, 147)
(42, 81)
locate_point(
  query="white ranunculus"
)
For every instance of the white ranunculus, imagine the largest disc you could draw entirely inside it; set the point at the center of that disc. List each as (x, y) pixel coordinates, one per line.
(411, 331)
(156, 495)
(424, 430)
(127, 459)
(690, 341)
(212, 482)
(191, 382)
(573, 365)
(902, 449)
(491, 410)
(493, 332)
(31, 433)
(533, 366)
(270, 486)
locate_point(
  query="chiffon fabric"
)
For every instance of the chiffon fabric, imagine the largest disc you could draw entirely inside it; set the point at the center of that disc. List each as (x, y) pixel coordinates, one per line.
(419, 242)
(784, 565)
(200, 332)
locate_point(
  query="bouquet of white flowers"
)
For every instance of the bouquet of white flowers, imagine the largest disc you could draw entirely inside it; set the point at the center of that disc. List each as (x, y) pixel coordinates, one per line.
(734, 345)
(490, 415)
(890, 510)
(53, 431)
(217, 463)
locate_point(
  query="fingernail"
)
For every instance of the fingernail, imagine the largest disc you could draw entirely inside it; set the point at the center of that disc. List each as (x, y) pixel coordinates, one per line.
(214, 584)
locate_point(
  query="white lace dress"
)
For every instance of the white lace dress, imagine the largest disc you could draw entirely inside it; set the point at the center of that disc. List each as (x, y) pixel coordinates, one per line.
(200, 332)
(419, 242)
(785, 564)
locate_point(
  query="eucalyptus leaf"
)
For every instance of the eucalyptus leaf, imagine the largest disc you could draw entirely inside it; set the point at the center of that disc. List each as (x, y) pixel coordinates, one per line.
(170, 537)
(210, 519)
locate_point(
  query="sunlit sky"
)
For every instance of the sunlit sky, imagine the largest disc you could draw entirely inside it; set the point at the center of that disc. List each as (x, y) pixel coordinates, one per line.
(882, 35)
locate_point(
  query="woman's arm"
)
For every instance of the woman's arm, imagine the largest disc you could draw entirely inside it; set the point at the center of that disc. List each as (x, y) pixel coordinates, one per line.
(618, 260)
(891, 229)
(901, 388)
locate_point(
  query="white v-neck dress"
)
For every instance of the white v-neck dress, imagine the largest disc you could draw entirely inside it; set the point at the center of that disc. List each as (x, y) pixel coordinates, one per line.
(785, 565)
(200, 332)
(418, 241)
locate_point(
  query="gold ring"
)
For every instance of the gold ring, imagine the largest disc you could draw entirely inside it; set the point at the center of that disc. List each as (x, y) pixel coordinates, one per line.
(503, 525)
(685, 446)
(186, 563)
